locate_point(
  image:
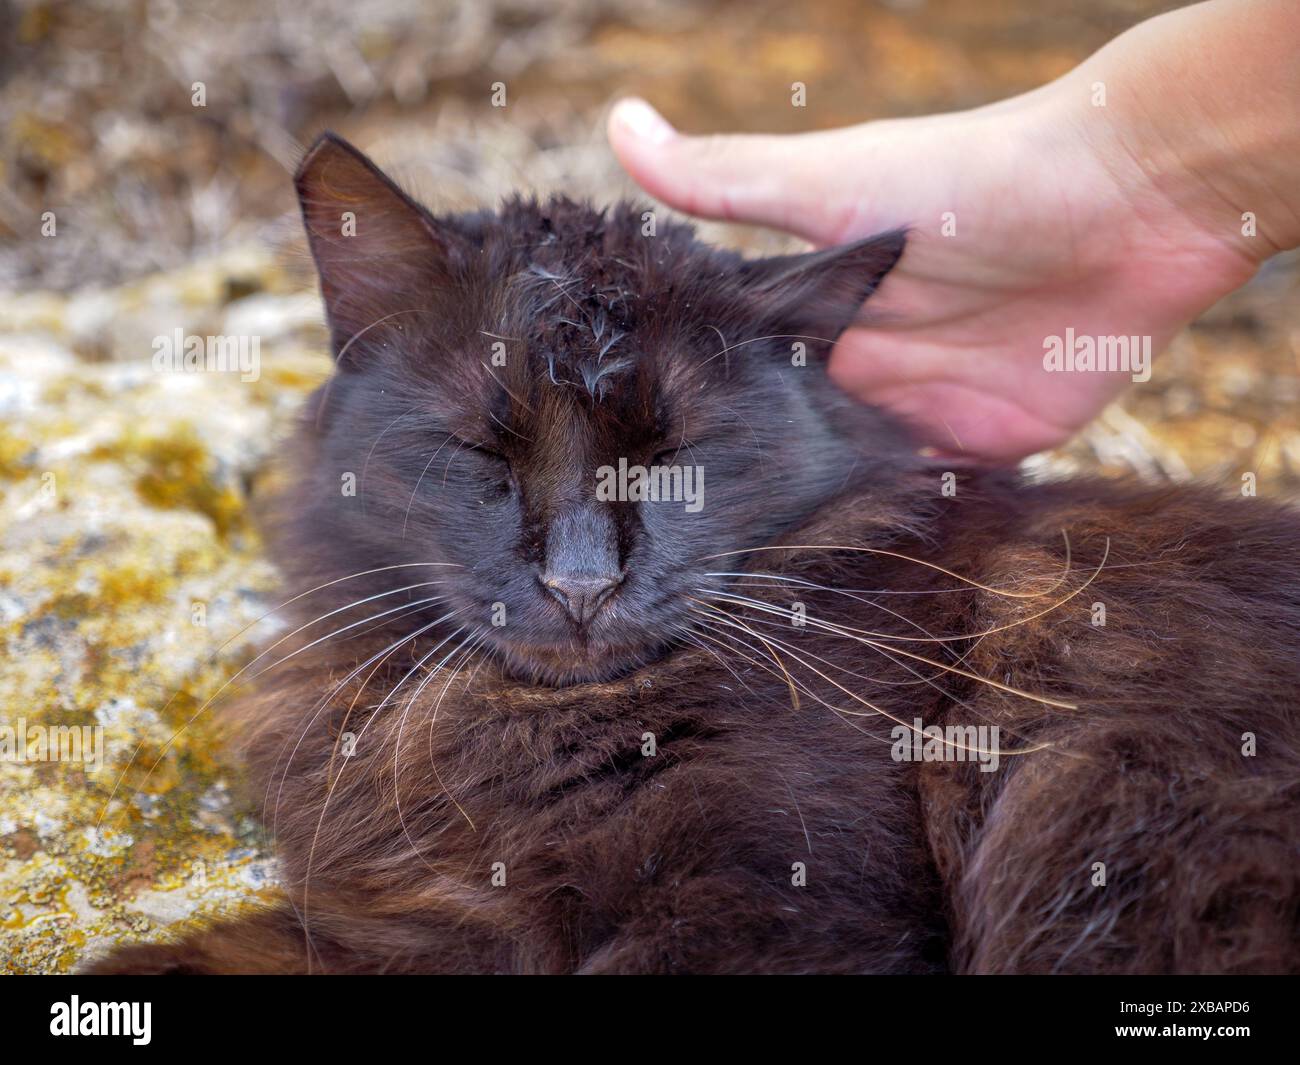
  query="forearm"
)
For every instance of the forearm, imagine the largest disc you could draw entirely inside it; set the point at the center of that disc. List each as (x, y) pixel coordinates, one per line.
(1206, 102)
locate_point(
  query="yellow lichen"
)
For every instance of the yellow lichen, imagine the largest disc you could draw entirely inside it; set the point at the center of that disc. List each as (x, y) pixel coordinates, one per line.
(14, 456)
(176, 472)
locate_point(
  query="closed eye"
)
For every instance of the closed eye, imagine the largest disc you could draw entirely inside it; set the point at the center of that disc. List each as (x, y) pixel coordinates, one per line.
(486, 452)
(672, 456)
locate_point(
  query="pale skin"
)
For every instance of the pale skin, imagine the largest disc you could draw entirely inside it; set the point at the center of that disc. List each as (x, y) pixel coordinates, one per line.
(1117, 219)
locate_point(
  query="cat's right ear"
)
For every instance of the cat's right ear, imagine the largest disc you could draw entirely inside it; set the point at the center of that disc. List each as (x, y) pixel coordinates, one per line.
(379, 255)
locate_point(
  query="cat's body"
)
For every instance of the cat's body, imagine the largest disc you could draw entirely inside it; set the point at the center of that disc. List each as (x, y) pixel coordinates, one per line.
(697, 769)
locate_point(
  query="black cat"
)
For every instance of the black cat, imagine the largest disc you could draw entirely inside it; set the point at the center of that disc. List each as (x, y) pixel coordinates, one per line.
(633, 646)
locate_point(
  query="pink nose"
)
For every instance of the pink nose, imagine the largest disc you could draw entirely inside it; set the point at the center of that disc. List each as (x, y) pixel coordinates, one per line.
(580, 594)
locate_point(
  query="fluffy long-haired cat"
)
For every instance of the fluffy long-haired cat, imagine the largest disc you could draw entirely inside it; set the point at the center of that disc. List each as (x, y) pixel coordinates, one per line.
(625, 643)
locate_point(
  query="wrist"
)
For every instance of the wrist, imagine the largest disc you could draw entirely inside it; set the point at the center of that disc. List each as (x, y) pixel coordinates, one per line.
(1191, 139)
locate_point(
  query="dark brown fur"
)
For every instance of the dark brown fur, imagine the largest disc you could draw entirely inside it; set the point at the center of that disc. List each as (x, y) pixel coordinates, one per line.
(769, 755)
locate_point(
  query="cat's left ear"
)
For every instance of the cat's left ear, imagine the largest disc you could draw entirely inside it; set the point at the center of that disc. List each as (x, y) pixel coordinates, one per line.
(820, 294)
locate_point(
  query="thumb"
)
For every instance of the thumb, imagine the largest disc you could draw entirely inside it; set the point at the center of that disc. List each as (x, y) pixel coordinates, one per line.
(787, 181)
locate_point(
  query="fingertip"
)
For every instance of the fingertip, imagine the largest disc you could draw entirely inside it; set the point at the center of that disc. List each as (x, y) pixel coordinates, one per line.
(634, 121)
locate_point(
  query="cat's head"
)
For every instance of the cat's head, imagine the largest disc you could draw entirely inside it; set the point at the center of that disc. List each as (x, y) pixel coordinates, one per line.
(503, 380)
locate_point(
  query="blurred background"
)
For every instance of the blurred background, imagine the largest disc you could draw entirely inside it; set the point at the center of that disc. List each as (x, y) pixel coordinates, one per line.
(128, 556)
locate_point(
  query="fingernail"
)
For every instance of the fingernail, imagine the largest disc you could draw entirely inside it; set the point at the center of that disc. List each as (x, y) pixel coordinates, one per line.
(644, 122)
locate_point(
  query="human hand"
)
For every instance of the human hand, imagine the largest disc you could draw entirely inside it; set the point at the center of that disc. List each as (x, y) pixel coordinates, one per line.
(1056, 221)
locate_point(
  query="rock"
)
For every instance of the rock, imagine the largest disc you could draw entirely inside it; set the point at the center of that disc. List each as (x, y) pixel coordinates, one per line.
(127, 559)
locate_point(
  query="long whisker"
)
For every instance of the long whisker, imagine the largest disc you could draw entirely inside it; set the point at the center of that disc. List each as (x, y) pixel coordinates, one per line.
(724, 619)
(401, 725)
(329, 635)
(418, 606)
(901, 617)
(714, 638)
(212, 657)
(857, 593)
(320, 708)
(827, 627)
(848, 631)
(424, 683)
(476, 637)
(752, 576)
(361, 481)
(330, 773)
(692, 637)
(407, 676)
(346, 606)
(411, 502)
(927, 638)
(468, 681)
(963, 636)
(304, 915)
(843, 669)
(280, 792)
(877, 551)
(773, 336)
(845, 716)
(920, 678)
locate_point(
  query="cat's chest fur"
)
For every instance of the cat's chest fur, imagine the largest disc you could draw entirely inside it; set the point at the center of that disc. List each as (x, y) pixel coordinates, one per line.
(706, 806)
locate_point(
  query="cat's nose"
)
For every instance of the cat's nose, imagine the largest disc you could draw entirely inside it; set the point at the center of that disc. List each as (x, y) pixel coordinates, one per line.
(581, 594)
